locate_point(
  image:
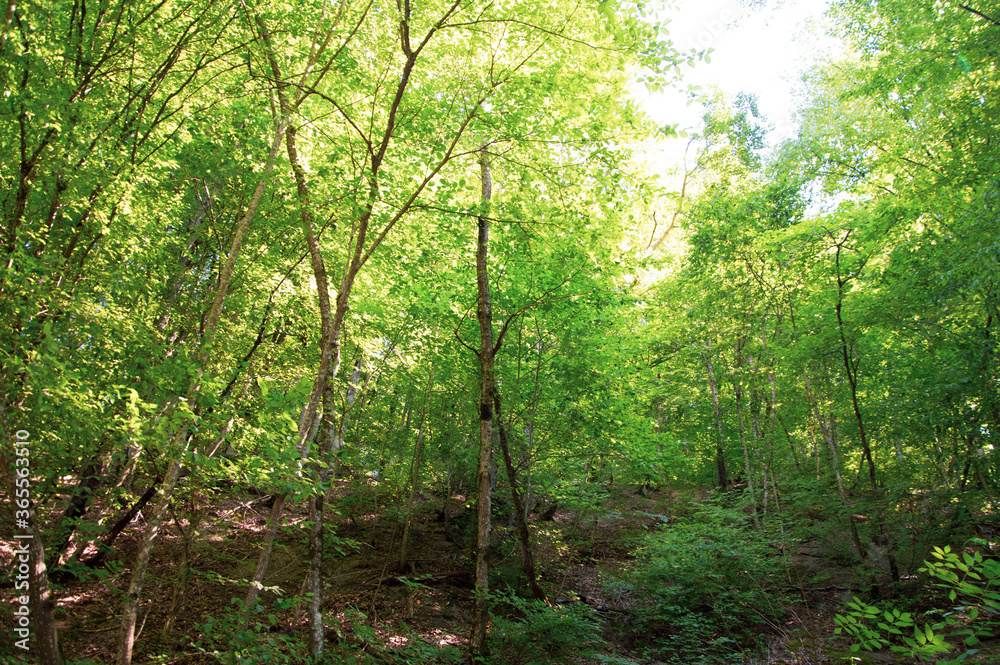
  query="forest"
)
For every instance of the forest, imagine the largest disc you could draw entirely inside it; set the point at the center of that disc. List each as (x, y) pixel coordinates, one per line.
(354, 331)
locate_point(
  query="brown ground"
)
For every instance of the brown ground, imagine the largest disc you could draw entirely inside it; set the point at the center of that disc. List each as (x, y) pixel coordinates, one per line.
(577, 555)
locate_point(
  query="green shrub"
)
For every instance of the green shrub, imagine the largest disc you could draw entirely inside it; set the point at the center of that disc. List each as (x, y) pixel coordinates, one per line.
(260, 644)
(529, 632)
(971, 576)
(360, 644)
(701, 588)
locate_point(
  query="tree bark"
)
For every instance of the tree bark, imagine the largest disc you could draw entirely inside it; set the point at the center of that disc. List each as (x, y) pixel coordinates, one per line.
(738, 384)
(41, 601)
(828, 436)
(523, 534)
(721, 477)
(478, 647)
(415, 473)
(851, 368)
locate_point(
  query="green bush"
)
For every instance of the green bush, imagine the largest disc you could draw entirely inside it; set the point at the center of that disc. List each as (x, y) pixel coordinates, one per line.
(971, 576)
(701, 588)
(529, 632)
(408, 648)
(261, 643)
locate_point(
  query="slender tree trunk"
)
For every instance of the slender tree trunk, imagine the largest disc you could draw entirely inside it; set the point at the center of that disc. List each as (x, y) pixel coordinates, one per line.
(478, 647)
(522, 523)
(120, 524)
(153, 523)
(329, 346)
(851, 368)
(179, 598)
(29, 549)
(42, 600)
(738, 386)
(771, 416)
(757, 437)
(323, 378)
(181, 439)
(721, 477)
(940, 464)
(361, 246)
(746, 455)
(322, 472)
(764, 467)
(415, 473)
(791, 445)
(530, 429)
(828, 436)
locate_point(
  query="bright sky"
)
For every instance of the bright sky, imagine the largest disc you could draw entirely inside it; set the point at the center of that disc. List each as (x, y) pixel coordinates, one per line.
(760, 50)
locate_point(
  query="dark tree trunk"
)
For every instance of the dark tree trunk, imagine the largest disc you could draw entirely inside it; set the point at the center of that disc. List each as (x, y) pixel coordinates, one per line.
(519, 511)
(721, 477)
(90, 480)
(851, 365)
(123, 522)
(418, 448)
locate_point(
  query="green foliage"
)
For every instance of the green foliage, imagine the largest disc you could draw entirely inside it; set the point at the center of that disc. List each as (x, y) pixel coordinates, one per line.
(584, 499)
(130, 145)
(702, 587)
(263, 642)
(529, 632)
(971, 576)
(12, 654)
(406, 649)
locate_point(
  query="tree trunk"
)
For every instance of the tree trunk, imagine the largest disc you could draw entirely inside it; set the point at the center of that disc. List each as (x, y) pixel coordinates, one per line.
(721, 477)
(529, 428)
(738, 387)
(181, 439)
(478, 647)
(122, 522)
(131, 611)
(183, 567)
(329, 346)
(827, 430)
(29, 550)
(322, 472)
(746, 456)
(851, 368)
(415, 473)
(43, 603)
(791, 444)
(519, 510)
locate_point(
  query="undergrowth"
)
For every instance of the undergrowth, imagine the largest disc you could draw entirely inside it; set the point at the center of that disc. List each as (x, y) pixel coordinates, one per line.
(702, 589)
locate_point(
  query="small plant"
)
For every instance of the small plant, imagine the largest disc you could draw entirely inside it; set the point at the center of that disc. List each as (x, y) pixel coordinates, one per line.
(262, 642)
(701, 587)
(359, 636)
(970, 576)
(529, 632)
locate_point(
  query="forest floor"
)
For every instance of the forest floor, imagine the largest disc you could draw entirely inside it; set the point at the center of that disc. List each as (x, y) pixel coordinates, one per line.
(376, 612)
